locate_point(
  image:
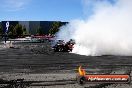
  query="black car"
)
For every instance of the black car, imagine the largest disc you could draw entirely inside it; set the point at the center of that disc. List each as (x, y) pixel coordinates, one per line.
(61, 46)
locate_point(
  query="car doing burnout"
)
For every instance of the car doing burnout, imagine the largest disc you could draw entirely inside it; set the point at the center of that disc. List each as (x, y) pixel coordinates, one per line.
(61, 46)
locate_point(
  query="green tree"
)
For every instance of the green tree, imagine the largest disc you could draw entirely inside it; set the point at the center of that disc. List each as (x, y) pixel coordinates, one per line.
(18, 30)
(11, 33)
(1, 29)
(54, 27)
(39, 31)
(24, 31)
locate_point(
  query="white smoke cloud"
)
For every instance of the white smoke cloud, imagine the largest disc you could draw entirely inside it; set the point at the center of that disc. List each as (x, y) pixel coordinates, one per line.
(107, 32)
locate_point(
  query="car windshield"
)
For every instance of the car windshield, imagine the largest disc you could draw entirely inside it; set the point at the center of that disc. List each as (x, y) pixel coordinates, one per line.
(60, 42)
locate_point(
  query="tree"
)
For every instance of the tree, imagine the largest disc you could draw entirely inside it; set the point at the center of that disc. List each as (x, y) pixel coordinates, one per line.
(24, 31)
(11, 33)
(1, 29)
(54, 27)
(18, 30)
(39, 31)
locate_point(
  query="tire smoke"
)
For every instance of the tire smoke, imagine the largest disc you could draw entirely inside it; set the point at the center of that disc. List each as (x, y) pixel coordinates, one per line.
(108, 31)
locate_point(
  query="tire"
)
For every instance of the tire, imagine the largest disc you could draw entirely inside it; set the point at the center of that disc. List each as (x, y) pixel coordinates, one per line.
(60, 49)
(81, 80)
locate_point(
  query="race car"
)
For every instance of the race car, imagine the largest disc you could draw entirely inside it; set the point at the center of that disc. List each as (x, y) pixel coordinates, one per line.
(61, 46)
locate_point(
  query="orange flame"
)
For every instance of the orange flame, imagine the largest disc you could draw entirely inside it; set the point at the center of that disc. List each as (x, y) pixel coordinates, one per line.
(81, 71)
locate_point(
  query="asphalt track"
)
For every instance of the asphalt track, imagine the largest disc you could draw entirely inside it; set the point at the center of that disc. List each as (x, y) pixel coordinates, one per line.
(38, 58)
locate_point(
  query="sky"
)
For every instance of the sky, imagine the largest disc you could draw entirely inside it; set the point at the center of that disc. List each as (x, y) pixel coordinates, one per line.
(43, 10)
